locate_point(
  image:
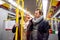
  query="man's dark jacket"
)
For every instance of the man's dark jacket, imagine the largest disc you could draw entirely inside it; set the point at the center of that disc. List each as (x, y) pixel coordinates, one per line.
(59, 31)
(43, 29)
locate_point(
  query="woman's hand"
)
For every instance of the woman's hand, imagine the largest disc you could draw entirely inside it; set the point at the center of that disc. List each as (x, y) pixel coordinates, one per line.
(16, 24)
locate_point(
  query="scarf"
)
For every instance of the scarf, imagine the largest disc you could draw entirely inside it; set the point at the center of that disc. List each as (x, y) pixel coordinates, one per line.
(37, 20)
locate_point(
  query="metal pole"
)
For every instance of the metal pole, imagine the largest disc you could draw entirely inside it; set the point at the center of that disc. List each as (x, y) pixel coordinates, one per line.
(22, 19)
(17, 13)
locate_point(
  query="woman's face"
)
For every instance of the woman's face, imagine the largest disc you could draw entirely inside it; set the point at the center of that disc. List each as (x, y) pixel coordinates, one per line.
(27, 17)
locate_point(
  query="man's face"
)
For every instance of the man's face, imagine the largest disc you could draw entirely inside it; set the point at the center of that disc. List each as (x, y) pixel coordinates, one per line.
(37, 14)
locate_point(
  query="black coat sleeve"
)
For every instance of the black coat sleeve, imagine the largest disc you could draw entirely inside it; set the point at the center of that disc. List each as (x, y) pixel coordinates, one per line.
(14, 29)
(46, 26)
(30, 26)
(29, 29)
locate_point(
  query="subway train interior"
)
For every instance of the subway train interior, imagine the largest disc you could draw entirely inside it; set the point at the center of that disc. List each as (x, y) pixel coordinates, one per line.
(15, 12)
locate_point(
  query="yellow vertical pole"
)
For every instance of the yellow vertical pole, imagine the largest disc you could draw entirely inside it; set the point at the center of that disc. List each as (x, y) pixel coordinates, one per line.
(50, 5)
(22, 19)
(52, 23)
(17, 13)
(37, 3)
(40, 6)
(56, 24)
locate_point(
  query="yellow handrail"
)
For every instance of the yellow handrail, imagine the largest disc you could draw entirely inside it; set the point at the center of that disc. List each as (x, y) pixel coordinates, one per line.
(17, 13)
(6, 5)
(22, 21)
(22, 18)
(52, 19)
(40, 6)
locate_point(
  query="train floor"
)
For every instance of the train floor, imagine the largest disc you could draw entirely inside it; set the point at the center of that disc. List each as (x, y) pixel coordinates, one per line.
(7, 35)
(53, 37)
